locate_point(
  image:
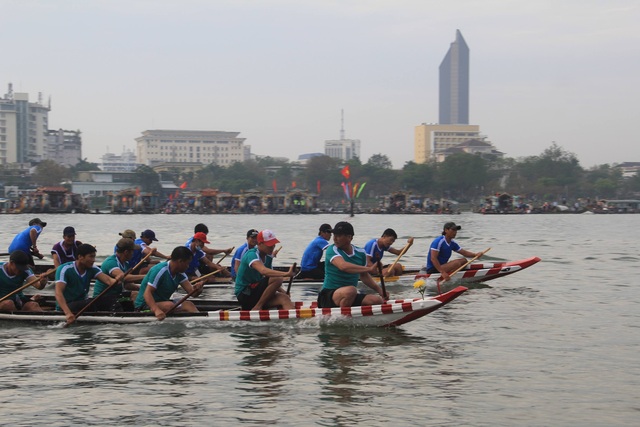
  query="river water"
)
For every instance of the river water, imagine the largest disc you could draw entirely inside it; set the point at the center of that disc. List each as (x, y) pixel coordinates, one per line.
(556, 344)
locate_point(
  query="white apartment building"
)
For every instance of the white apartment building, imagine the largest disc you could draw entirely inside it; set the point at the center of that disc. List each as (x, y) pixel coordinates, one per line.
(23, 128)
(126, 162)
(344, 149)
(64, 147)
(178, 146)
(433, 139)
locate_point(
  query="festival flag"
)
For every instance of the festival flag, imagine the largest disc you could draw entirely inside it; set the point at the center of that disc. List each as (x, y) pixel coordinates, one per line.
(293, 184)
(346, 190)
(346, 172)
(318, 186)
(274, 185)
(183, 185)
(355, 190)
(137, 191)
(360, 190)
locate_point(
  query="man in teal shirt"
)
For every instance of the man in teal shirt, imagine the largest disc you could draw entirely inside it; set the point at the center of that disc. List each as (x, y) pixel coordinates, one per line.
(258, 286)
(12, 276)
(344, 265)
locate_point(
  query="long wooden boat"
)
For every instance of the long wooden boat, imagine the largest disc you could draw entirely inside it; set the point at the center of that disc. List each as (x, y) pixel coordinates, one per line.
(477, 273)
(390, 314)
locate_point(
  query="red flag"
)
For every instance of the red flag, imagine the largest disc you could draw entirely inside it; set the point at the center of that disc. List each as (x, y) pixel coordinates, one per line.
(345, 172)
(318, 186)
(293, 184)
(137, 191)
(275, 186)
(183, 185)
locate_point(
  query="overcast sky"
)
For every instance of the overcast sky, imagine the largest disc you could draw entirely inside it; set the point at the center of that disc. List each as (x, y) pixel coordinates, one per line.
(280, 71)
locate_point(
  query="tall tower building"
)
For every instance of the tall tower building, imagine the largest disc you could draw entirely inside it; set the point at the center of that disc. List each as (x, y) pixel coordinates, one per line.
(343, 149)
(454, 84)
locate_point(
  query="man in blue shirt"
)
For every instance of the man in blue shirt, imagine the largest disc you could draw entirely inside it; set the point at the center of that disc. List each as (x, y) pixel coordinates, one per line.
(25, 241)
(252, 241)
(311, 267)
(375, 249)
(441, 249)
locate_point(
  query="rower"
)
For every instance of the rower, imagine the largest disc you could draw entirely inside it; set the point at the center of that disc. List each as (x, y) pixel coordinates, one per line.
(311, 267)
(162, 281)
(73, 281)
(13, 275)
(195, 247)
(375, 249)
(115, 265)
(66, 249)
(147, 237)
(26, 240)
(210, 252)
(441, 249)
(252, 241)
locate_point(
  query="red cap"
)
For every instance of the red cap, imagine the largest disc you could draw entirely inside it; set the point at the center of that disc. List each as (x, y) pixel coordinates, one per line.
(267, 237)
(201, 236)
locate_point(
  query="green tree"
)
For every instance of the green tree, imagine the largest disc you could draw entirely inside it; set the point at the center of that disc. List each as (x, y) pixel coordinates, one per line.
(463, 176)
(147, 179)
(50, 173)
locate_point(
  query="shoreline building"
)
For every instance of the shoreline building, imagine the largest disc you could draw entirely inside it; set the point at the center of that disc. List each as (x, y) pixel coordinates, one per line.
(189, 146)
(64, 147)
(126, 162)
(436, 141)
(23, 128)
(343, 149)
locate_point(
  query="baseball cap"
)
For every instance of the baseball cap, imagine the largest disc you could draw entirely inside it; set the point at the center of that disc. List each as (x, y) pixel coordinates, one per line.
(453, 225)
(267, 237)
(325, 228)
(126, 243)
(201, 236)
(37, 221)
(69, 231)
(20, 259)
(343, 228)
(149, 234)
(130, 234)
(252, 233)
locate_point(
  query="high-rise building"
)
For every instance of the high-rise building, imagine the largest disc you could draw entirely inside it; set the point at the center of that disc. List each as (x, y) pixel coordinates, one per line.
(190, 146)
(344, 149)
(23, 128)
(64, 146)
(454, 84)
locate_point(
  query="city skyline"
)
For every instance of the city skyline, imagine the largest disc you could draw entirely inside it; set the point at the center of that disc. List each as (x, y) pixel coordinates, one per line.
(280, 71)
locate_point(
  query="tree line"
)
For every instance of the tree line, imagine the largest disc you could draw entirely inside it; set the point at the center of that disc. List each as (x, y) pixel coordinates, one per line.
(553, 175)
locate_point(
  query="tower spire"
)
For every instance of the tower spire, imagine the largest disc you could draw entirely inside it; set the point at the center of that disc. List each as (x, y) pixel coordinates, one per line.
(342, 125)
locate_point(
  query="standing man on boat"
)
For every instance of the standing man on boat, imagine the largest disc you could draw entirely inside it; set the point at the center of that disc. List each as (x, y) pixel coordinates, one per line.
(311, 267)
(441, 249)
(147, 237)
(344, 265)
(252, 241)
(66, 249)
(26, 240)
(375, 249)
(116, 265)
(197, 242)
(162, 281)
(73, 280)
(258, 286)
(13, 275)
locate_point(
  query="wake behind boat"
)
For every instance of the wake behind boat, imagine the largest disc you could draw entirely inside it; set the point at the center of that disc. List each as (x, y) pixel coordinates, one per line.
(390, 314)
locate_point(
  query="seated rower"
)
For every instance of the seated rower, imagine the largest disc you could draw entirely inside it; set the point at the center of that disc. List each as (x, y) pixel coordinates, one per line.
(147, 237)
(162, 281)
(66, 249)
(345, 263)
(252, 241)
(310, 266)
(441, 249)
(115, 265)
(73, 280)
(210, 252)
(258, 286)
(13, 275)
(375, 249)
(195, 247)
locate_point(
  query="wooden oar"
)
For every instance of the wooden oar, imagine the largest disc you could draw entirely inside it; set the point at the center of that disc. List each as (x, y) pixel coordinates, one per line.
(405, 249)
(291, 279)
(83, 309)
(384, 290)
(199, 279)
(465, 264)
(5, 254)
(26, 285)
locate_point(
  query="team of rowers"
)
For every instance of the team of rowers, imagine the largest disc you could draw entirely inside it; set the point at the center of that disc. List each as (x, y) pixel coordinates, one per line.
(257, 285)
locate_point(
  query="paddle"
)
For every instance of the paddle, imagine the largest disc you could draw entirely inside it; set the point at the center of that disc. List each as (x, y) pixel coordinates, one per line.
(5, 254)
(291, 280)
(83, 309)
(465, 264)
(26, 285)
(384, 290)
(199, 279)
(405, 249)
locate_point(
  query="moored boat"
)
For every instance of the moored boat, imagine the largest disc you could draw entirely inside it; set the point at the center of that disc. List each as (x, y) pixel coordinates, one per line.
(390, 314)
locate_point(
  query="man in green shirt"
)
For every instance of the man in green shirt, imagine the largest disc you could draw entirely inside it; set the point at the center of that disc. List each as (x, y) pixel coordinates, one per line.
(344, 265)
(258, 286)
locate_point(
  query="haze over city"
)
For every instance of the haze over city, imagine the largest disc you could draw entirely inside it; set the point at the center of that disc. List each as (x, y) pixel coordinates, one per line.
(279, 72)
